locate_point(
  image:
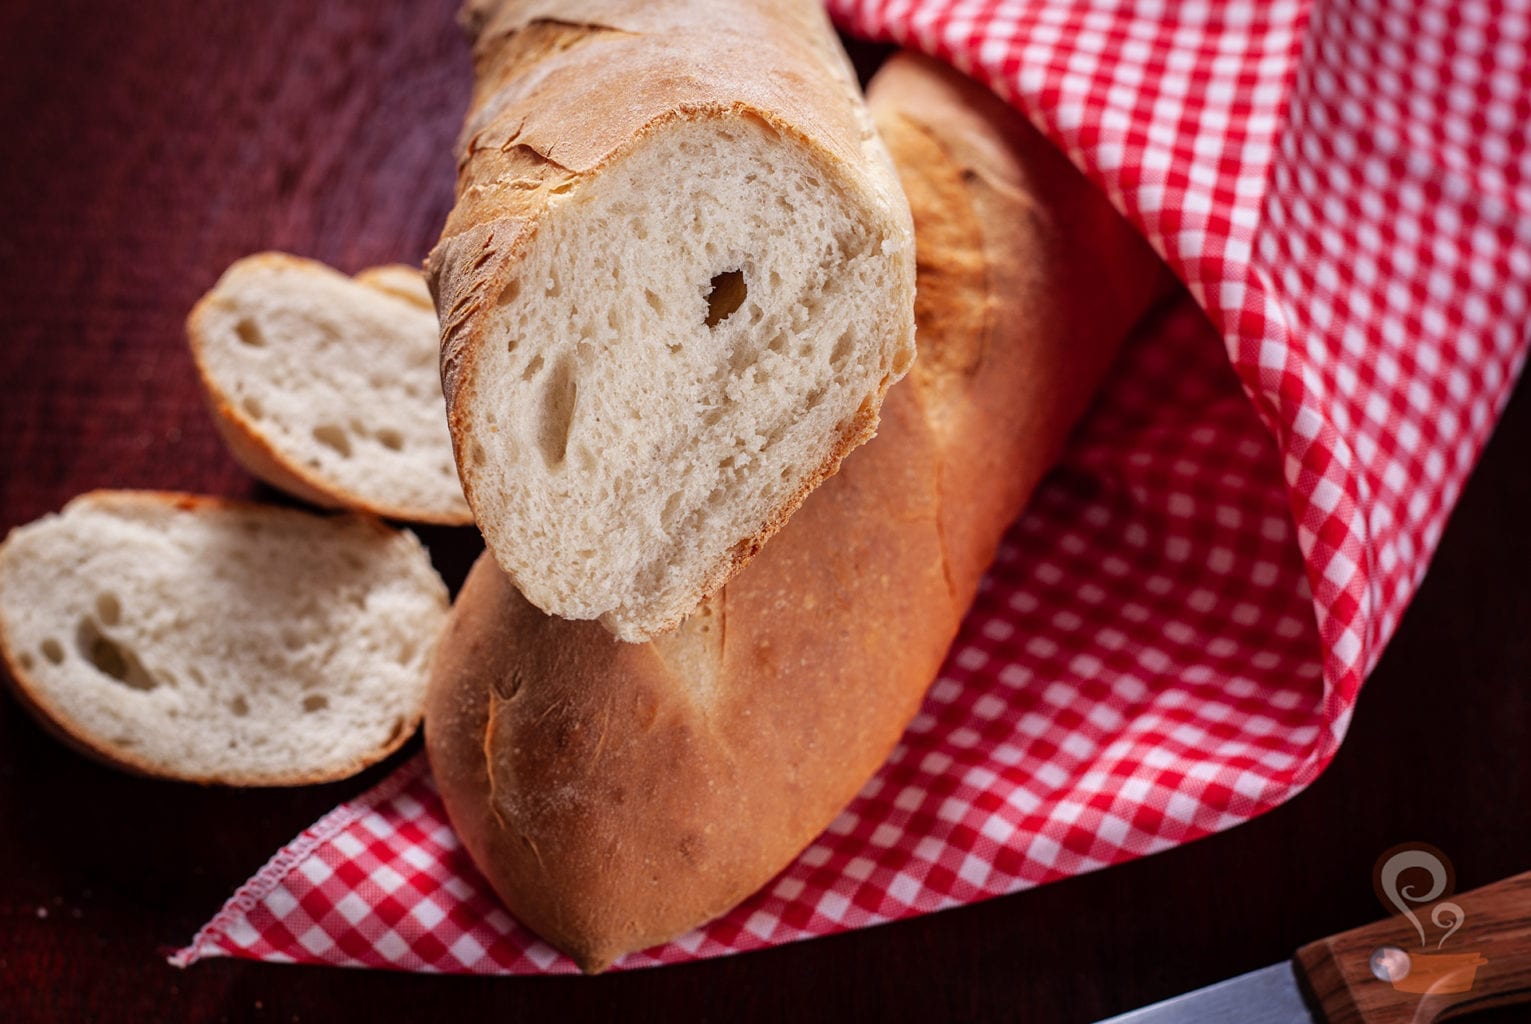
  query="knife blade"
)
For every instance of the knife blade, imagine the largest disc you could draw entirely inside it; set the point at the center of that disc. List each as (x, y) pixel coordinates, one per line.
(1267, 996)
(1392, 970)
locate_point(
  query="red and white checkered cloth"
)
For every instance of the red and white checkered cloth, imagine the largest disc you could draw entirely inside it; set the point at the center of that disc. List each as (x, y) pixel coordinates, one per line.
(1174, 635)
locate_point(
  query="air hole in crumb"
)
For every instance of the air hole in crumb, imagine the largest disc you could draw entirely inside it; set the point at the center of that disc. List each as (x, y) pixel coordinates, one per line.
(249, 334)
(407, 653)
(318, 702)
(902, 361)
(395, 732)
(559, 396)
(655, 302)
(108, 609)
(26, 661)
(559, 190)
(252, 407)
(842, 350)
(671, 507)
(111, 659)
(331, 436)
(239, 706)
(727, 294)
(510, 294)
(532, 368)
(390, 439)
(478, 455)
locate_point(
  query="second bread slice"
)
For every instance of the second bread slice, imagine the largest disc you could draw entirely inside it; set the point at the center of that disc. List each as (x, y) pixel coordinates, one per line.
(327, 386)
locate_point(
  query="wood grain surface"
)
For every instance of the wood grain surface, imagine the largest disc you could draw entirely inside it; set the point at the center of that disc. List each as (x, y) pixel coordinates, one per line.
(145, 147)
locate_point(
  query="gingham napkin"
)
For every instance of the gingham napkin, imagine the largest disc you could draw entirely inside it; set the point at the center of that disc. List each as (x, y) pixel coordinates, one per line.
(1174, 635)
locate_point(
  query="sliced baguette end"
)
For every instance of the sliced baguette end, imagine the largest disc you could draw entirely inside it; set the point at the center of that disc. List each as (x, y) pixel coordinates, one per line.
(627, 452)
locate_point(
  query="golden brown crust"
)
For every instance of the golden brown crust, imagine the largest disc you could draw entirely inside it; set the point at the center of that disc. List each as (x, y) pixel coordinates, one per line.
(616, 795)
(33, 697)
(1069, 264)
(247, 442)
(641, 789)
(540, 125)
(400, 280)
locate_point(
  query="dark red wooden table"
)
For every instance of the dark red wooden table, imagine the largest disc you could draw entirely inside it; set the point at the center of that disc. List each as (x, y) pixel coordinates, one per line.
(143, 147)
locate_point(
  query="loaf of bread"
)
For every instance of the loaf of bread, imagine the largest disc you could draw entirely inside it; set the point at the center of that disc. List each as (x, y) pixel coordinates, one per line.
(219, 641)
(616, 795)
(328, 387)
(676, 284)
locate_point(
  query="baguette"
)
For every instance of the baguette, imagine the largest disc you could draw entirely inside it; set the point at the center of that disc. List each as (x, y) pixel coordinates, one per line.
(219, 641)
(327, 386)
(676, 284)
(617, 795)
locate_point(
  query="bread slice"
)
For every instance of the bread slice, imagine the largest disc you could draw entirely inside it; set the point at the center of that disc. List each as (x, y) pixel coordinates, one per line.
(328, 387)
(219, 641)
(677, 283)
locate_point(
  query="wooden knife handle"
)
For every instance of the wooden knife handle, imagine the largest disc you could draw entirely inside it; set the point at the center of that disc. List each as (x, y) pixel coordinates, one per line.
(1487, 962)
